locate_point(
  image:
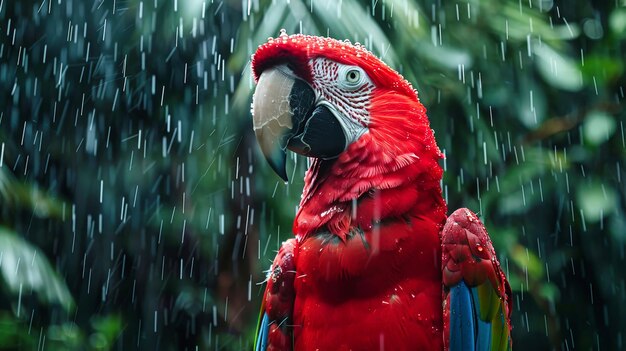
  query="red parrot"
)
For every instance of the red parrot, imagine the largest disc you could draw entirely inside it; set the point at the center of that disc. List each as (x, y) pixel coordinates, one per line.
(375, 263)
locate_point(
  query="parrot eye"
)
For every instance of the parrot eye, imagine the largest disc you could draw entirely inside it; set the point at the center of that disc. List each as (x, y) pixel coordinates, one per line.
(353, 76)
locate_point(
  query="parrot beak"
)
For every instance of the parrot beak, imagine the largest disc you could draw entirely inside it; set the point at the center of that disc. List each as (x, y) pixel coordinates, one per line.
(280, 104)
(285, 116)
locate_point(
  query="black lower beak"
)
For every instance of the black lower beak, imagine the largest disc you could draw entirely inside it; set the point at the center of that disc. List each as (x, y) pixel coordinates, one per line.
(285, 117)
(322, 135)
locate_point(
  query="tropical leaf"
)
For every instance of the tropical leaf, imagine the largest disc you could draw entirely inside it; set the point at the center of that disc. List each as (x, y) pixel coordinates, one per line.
(25, 270)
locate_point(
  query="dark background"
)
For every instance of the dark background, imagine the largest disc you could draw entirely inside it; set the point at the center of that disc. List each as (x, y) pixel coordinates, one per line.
(137, 213)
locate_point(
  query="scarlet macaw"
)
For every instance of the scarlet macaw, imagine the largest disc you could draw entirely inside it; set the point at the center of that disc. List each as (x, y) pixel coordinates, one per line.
(375, 263)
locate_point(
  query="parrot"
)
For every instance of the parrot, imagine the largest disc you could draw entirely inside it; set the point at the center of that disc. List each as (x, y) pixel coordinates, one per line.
(375, 262)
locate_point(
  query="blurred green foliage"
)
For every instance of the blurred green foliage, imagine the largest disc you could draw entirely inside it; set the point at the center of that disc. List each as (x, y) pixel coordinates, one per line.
(135, 211)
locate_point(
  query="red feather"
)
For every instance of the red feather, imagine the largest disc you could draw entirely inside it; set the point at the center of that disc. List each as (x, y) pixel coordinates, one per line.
(279, 297)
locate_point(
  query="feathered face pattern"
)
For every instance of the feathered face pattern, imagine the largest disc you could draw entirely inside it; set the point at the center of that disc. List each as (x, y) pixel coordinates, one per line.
(347, 88)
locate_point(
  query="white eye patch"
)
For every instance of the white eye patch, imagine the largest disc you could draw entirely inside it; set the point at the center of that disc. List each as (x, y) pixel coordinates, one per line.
(347, 90)
(351, 77)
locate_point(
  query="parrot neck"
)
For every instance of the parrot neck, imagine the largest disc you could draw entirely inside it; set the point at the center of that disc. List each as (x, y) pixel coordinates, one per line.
(377, 178)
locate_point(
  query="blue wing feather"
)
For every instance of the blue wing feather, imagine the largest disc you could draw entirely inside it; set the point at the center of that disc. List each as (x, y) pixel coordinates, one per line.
(467, 330)
(264, 328)
(462, 319)
(483, 328)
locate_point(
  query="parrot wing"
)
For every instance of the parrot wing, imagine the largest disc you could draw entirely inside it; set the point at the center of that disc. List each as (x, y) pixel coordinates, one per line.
(477, 296)
(275, 330)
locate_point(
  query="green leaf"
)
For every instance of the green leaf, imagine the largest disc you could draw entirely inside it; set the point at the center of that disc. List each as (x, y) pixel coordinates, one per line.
(24, 270)
(596, 200)
(14, 333)
(17, 194)
(65, 336)
(604, 69)
(598, 127)
(558, 70)
(531, 104)
(447, 57)
(106, 330)
(550, 292)
(527, 260)
(617, 22)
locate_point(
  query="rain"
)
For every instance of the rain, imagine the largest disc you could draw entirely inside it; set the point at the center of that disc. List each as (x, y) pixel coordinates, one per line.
(137, 212)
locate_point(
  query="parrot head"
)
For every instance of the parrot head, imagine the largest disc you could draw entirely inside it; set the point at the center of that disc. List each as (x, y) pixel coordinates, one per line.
(314, 95)
(359, 120)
